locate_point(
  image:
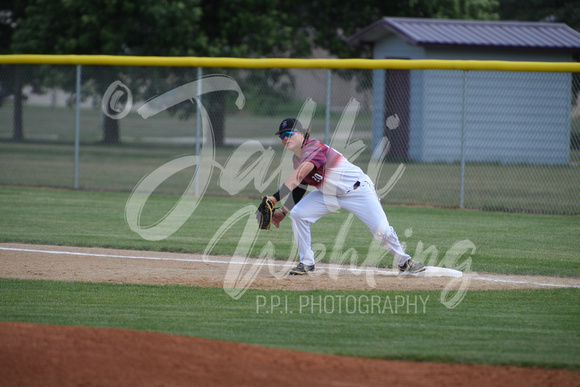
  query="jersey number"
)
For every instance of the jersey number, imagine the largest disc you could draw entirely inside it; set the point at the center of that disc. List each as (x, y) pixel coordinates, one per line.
(317, 177)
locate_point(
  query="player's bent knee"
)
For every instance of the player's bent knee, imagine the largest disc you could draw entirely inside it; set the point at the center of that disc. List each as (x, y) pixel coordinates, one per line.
(296, 213)
(383, 233)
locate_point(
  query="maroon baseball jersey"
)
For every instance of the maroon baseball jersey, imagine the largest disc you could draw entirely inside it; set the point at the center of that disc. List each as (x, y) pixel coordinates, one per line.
(330, 167)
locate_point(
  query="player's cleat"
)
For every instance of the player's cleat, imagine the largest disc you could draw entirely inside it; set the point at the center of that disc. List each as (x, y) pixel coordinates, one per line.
(302, 269)
(411, 266)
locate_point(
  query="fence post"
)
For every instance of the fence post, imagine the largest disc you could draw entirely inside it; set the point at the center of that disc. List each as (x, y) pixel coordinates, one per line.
(327, 118)
(77, 127)
(462, 168)
(198, 130)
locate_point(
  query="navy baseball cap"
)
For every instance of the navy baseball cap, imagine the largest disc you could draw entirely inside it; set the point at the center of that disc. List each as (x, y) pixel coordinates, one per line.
(289, 124)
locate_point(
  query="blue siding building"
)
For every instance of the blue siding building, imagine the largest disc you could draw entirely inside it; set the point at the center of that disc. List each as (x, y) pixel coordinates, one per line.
(510, 117)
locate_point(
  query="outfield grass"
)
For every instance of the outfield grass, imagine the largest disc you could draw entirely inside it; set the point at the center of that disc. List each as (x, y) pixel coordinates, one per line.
(46, 158)
(505, 243)
(519, 327)
(543, 189)
(524, 327)
(57, 124)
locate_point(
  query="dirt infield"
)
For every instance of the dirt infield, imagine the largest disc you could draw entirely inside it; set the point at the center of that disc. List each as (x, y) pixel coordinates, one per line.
(32, 354)
(63, 263)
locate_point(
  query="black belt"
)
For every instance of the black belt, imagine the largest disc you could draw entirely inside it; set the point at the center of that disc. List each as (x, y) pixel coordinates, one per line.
(356, 185)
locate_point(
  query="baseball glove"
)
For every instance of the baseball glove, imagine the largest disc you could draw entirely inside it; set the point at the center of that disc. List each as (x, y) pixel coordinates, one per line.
(264, 213)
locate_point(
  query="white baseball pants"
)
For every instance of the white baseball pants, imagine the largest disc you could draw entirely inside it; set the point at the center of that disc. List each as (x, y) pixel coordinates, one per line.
(363, 202)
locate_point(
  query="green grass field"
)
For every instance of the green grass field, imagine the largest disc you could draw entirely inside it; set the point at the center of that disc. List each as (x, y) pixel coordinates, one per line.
(527, 188)
(46, 158)
(505, 243)
(523, 327)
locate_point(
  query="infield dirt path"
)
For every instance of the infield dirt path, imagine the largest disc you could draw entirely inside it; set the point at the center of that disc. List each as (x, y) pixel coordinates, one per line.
(35, 355)
(65, 263)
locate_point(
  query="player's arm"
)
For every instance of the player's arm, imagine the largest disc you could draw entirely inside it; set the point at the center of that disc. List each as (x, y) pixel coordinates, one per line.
(293, 181)
(299, 175)
(295, 196)
(294, 185)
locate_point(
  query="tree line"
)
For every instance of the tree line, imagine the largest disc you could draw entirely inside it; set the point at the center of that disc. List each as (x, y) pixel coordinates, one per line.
(215, 28)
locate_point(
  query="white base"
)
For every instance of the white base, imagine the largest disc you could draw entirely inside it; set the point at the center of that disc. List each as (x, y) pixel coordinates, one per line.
(436, 271)
(430, 271)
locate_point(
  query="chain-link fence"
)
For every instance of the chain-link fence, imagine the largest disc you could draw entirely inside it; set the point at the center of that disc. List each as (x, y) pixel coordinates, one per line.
(495, 140)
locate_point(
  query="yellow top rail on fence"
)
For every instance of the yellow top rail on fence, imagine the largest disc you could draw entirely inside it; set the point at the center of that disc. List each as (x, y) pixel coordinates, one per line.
(368, 64)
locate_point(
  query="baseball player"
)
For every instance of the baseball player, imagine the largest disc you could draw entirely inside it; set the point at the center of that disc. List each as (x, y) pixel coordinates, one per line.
(339, 184)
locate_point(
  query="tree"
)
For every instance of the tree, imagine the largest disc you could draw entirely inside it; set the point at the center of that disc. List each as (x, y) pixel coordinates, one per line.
(249, 28)
(331, 22)
(10, 76)
(110, 27)
(561, 11)
(241, 28)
